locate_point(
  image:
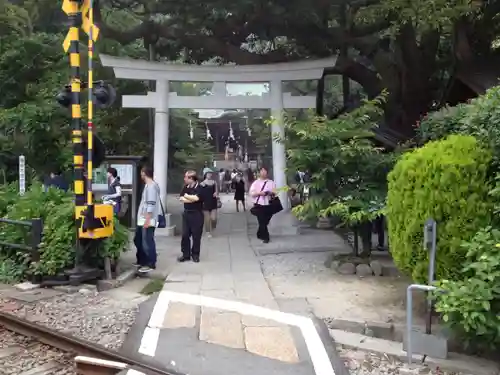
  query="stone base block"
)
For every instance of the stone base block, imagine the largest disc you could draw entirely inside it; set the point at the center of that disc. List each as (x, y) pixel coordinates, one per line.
(284, 224)
(431, 345)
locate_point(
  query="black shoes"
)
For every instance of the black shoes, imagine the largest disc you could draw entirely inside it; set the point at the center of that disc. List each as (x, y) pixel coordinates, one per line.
(265, 241)
(183, 259)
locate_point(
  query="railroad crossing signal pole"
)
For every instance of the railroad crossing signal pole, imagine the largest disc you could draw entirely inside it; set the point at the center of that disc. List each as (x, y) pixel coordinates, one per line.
(94, 220)
(90, 127)
(72, 43)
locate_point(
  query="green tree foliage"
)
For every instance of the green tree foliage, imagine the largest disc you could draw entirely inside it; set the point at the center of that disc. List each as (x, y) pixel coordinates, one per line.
(405, 47)
(445, 180)
(348, 171)
(33, 68)
(14, 19)
(31, 123)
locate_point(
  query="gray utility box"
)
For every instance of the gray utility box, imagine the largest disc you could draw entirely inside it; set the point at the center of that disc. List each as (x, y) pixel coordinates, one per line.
(424, 344)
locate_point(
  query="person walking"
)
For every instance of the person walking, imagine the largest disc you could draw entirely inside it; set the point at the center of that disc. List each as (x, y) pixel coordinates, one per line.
(56, 180)
(222, 174)
(147, 219)
(250, 177)
(261, 191)
(239, 193)
(114, 190)
(210, 196)
(227, 181)
(192, 218)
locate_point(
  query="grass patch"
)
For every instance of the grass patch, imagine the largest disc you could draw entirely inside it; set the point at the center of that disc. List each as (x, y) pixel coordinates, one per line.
(154, 286)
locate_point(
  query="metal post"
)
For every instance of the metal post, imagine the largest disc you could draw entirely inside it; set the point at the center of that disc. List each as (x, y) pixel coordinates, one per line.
(36, 239)
(430, 241)
(409, 314)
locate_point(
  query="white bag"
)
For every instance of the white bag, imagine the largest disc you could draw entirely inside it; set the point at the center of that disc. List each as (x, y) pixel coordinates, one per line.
(141, 220)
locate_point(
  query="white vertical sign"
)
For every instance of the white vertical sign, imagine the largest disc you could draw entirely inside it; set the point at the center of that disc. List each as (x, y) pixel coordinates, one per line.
(22, 175)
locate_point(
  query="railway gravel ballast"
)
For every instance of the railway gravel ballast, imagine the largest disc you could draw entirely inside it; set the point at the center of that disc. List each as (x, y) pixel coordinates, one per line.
(30, 349)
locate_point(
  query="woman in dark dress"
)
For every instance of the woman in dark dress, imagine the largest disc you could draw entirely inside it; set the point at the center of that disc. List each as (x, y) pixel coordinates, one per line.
(210, 196)
(239, 192)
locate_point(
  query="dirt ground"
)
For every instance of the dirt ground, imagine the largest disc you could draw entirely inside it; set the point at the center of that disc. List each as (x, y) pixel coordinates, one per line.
(331, 295)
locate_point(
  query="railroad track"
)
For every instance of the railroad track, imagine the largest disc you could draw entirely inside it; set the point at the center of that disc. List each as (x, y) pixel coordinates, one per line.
(29, 349)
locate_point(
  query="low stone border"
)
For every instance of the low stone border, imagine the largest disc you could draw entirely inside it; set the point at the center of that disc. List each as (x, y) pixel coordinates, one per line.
(392, 332)
(455, 363)
(100, 286)
(121, 279)
(351, 265)
(381, 330)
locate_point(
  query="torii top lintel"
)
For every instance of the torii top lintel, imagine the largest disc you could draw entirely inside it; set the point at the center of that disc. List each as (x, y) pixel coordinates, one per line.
(147, 70)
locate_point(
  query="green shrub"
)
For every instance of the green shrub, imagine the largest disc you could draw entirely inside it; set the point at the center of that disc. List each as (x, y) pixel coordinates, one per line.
(445, 180)
(471, 306)
(114, 246)
(8, 195)
(440, 124)
(57, 250)
(479, 118)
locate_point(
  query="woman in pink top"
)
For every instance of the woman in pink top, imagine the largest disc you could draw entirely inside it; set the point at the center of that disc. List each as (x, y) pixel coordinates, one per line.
(261, 190)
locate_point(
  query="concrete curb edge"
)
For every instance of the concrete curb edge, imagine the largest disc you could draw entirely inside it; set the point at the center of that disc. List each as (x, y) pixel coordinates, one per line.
(455, 363)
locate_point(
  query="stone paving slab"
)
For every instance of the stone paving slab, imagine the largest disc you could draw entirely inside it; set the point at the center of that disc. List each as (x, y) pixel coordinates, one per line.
(217, 281)
(222, 328)
(271, 342)
(181, 315)
(260, 336)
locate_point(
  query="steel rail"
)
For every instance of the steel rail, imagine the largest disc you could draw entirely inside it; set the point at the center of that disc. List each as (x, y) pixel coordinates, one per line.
(80, 347)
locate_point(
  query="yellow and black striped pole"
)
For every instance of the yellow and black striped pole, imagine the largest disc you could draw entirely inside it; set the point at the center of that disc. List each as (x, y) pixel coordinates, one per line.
(94, 221)
(90, 127)
(76, 112)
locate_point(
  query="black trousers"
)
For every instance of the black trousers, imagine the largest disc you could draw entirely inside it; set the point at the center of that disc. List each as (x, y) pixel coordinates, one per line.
(379, 229)
(192, 230)
(263, 218)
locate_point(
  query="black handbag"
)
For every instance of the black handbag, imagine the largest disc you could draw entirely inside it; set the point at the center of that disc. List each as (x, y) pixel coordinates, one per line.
(162, 220)
(275, 204)
(255, 209)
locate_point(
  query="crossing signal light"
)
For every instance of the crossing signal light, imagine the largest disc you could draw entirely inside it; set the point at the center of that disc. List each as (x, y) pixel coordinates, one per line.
(104, 95)
(64, 97)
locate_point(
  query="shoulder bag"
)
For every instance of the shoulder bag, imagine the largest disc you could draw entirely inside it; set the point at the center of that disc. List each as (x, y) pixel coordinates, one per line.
(275, 204)
(162, 221)
(255, 209)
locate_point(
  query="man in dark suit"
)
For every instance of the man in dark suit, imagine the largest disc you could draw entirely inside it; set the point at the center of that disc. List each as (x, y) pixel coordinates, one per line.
(56, 180)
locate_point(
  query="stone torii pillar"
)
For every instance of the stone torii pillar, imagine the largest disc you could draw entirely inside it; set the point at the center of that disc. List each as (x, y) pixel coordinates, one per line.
(278, 148)
(161, 137)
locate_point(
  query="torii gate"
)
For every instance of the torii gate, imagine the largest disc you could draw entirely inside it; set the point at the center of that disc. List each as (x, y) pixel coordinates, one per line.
(163, 99)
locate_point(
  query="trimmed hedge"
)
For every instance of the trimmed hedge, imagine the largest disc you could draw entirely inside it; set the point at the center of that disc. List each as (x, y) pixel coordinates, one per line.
(445, 180)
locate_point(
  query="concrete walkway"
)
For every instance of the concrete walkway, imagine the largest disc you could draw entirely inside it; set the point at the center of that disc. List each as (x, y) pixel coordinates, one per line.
(220, 317)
